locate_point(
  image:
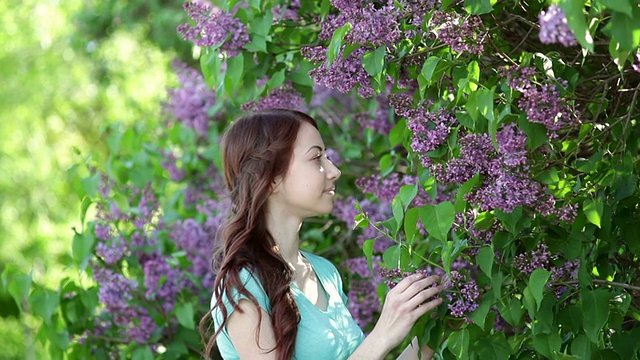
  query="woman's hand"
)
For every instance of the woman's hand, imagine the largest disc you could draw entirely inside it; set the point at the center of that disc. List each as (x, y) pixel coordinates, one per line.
(404, 304)
(411, 298)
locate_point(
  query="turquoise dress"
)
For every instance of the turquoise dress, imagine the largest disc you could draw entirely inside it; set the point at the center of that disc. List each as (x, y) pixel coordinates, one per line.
(322, 335)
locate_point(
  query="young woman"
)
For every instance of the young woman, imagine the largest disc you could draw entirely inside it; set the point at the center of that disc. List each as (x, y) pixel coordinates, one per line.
(271, 300)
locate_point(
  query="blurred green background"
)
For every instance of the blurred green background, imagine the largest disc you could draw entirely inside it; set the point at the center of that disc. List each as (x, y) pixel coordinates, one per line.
(68, 68)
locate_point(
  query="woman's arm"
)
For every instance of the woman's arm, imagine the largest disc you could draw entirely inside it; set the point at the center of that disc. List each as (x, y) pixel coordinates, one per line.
(242, 326)
(404, 304)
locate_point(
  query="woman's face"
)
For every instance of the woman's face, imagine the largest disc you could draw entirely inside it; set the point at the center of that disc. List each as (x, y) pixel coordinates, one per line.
(308, 188)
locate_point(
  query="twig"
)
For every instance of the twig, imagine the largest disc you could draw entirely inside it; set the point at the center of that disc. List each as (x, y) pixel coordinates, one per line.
(607, 282)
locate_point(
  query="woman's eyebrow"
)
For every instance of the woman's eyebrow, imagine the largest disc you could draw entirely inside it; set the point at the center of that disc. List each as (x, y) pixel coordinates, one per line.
(315, 147)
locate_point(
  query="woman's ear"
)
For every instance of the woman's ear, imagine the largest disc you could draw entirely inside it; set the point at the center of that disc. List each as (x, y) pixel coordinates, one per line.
(276, 184)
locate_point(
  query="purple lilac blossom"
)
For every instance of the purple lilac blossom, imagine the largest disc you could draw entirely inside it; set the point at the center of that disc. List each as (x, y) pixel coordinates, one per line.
(465, 300)
(291, 12)
(418, 10)
(636, 64)
(191, 237)
(283, 97)
(344, 73)
(542, 104)
(170, 164)
(190, 103)
(112, 251)
(373, 26)
(143, 328)
(334, 156)
(554, 28)
(161, 282)
(540, 258)
(213, 28)
(460, 33)
(380, 121)
(430, 130)
(363, 301)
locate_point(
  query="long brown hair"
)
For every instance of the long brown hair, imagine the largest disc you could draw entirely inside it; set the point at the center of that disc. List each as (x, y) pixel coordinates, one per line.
(256, 149)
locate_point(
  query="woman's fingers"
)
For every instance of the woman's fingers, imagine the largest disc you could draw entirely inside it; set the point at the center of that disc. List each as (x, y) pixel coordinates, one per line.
(405, 283)
(414, 283)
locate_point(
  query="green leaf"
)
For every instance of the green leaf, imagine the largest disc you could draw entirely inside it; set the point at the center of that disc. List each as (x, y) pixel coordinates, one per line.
(234, 73)
(407, 194)
(410, 223)
(386, 164)
(512, 311)
(429, 67)
(81, 248)
(574, 10)
(262, 25)
(537, 282)
(478, 7)
(184, 313)
(458, 343)
(622, 6)
(593, 210)
(373, 61)
(90, 184)
(595, 310)
(398, 213)
(142, 353)
(18, 286)
(336, 43)
(484, 258)
(464, 189)
(438, 219)
(44, 303)
(529, 302)
(485, 107)
(276, 79)
(495, 347)
(479, 315)
(625, 30)
(367, 248)
(581, 346)
(547, 344)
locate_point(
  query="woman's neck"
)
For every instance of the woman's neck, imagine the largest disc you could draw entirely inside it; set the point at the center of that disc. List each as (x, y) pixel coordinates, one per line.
(285, 234)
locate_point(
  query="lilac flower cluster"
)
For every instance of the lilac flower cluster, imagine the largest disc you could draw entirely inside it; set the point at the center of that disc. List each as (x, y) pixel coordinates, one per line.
(282, 97)
(290, 12)
(213, 28)
(506, 183)
(430, 130)
(568, 271)
(542, 104)
(636, 64)
(345, 210)
(344, 73)
(362, 295)
(466, 222)
(466, 299)
(190, 103)
(385, 189)
(381, 121)
(541, 258)
(160, 277)
(170, 164)
(363, 301)
(554, 28)
(418, 10)
(460, 33)
(372, 26)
